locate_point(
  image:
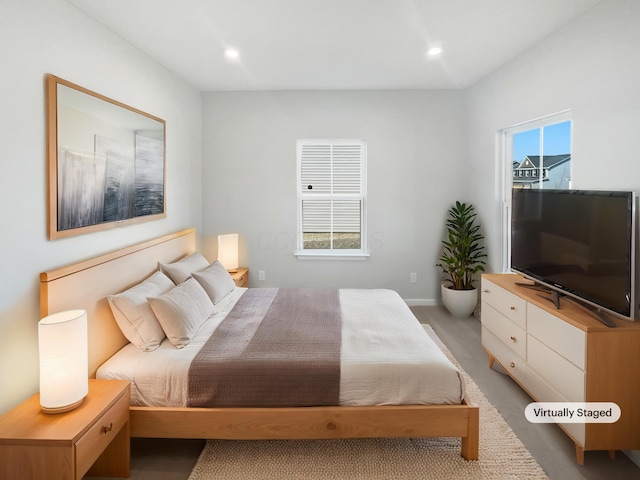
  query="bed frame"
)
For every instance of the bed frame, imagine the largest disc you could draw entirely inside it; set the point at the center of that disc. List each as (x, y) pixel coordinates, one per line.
(86, 285)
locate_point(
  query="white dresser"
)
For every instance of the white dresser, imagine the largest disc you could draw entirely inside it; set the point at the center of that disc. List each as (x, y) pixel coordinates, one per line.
(565, 355)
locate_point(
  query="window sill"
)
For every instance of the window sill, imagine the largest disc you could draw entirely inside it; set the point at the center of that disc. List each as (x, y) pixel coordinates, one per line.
(305, 255)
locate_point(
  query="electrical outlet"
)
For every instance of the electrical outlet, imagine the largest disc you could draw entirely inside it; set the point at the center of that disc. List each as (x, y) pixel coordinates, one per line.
(413, 277)
(260, 274)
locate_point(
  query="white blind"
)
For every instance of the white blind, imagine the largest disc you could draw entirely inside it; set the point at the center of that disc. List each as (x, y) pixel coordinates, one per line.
(346, 216)
(316, 215)
(331, 189)
(327, 216)
(347, 169)
(331, 169)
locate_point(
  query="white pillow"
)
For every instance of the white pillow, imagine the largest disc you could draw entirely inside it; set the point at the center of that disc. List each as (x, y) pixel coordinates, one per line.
(182, 269)
(216, 281)
(182, 311)
(134, 315)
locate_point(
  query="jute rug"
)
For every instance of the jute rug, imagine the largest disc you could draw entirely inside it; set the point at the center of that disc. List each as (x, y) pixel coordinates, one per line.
(502, 454)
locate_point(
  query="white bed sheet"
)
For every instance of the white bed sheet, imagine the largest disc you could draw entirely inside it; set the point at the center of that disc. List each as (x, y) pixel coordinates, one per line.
(386, 357)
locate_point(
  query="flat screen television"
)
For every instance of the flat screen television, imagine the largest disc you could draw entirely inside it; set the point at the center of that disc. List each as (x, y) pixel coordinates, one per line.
(579, 243)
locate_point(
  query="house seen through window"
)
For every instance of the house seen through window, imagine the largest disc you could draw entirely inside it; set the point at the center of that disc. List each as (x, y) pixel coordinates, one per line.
(542, 157)
(331, 197)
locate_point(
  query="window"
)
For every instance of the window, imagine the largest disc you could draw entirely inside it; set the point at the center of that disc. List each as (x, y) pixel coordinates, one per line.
(545, 154)
(535, 154)
(331, 198)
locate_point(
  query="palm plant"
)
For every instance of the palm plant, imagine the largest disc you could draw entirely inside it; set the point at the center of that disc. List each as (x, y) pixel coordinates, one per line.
(463, 251)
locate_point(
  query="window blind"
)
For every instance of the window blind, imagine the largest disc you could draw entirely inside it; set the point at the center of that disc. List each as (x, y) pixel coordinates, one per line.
(331, 194)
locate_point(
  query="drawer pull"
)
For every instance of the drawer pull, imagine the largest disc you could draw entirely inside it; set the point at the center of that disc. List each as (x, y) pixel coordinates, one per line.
(107, 428)
(513, 308)
(513, 339)
(486, 290)
(512, 365)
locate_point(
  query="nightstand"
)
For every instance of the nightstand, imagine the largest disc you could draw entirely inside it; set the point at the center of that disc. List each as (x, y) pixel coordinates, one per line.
(241, 277)
(93, 438)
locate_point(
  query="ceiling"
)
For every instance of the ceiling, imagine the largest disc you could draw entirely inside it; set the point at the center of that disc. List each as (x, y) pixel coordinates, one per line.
(332, 44)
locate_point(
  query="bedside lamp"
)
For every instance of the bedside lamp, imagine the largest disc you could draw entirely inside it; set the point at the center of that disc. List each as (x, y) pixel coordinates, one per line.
(228, 251)
(64, 360)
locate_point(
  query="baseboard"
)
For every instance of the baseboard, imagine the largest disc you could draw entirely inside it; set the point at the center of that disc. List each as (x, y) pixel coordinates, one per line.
(421, 302)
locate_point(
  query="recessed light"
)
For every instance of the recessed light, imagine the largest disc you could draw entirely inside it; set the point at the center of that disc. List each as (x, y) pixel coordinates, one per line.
(231, 53)
(434, 51)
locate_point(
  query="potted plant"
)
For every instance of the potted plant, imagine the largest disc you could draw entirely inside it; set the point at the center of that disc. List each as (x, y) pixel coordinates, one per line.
(462, 258)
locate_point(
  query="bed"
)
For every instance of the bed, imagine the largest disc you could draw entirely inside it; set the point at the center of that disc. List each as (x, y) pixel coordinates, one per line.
(87, 285)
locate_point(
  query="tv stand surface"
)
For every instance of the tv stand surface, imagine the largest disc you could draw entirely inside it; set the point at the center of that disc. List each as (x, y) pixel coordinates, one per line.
(565, 355)
(533, 286)
(595, 313)
(554, 297)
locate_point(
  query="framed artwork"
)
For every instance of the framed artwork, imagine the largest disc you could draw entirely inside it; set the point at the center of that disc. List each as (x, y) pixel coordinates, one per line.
(106, 161)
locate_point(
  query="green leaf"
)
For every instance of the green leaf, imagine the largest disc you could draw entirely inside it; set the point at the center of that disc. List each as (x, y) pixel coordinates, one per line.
(463, 250)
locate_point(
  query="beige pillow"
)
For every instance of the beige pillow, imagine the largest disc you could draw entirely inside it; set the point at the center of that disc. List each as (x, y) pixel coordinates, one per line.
(182, 269)
(134, 315)
(182, 311)
(216, 281)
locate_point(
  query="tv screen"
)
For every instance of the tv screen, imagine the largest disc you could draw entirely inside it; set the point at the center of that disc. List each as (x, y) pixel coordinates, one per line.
(579, 242)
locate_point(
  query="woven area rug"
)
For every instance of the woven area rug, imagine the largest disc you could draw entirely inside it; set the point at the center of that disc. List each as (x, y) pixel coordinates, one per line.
(502, 454)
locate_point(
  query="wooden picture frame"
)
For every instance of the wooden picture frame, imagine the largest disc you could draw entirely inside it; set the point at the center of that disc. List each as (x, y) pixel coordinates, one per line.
(106, 161)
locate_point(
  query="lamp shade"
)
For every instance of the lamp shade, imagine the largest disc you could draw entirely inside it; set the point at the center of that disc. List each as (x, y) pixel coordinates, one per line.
(64, 360)
(228, 251)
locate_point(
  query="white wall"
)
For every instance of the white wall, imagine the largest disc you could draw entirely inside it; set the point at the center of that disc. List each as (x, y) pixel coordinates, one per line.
(591, 66)
(414, 173)
(39, 37)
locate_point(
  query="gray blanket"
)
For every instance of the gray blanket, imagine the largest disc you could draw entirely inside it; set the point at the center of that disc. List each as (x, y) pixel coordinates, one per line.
(276, 348)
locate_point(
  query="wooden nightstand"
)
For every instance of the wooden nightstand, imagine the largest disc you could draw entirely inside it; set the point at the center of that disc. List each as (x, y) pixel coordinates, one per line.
(34, 445)
(241, 277)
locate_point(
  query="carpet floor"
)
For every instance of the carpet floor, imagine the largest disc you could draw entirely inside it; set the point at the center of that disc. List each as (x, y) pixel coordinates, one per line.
(502, 454)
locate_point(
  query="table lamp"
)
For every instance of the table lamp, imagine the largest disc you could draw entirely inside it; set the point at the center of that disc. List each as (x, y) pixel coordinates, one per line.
(228, 251)
(64, 370)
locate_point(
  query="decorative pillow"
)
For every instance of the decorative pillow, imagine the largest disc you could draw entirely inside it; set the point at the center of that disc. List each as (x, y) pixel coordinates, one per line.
(216, 281)
(134, 315)
(182, 311)
(182, 269)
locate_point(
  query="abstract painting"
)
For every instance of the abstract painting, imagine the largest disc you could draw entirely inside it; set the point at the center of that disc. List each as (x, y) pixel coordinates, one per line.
(106, 161)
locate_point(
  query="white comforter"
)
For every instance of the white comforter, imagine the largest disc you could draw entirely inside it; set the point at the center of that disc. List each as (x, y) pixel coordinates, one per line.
(386, 357)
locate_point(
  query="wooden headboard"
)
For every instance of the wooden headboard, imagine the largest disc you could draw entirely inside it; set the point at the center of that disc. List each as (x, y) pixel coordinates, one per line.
(86, 285)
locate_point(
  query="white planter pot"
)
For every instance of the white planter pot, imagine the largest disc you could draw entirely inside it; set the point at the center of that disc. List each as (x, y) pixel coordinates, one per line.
(460, 303)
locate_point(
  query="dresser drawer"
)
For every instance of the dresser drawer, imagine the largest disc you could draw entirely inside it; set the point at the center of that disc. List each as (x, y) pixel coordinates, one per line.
(505, 330)
(535, 384)
(559, 373)
(511, 362)
(91, 445)
(511, 306)
(539, 388)
(564, 338)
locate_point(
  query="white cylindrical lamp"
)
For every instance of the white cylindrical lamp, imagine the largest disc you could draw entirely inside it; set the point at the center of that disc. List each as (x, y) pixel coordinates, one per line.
(64, 360)
(228, 251)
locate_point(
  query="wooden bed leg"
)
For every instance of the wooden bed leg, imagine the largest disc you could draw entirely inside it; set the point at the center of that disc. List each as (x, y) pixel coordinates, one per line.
(469, 450)
(491, 360)
(579, 454)
(612, 455)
